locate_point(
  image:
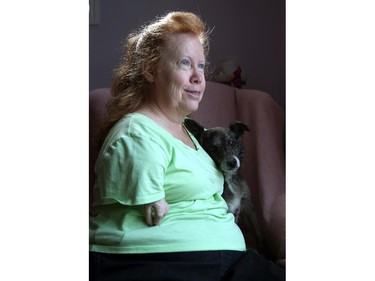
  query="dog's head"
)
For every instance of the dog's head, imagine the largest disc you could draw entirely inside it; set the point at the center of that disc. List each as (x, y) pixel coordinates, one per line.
(222, 144)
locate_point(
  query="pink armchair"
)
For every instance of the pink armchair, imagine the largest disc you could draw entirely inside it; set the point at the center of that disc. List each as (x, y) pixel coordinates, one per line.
(264, 153)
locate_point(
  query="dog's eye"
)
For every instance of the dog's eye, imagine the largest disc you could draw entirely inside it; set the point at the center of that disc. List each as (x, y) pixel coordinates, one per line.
(214, 147)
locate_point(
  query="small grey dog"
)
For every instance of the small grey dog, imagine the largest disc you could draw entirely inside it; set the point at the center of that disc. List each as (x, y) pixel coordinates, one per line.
(224, 147)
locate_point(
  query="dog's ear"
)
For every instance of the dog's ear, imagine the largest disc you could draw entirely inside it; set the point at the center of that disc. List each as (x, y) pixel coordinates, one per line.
(238, 129)
(194, 127)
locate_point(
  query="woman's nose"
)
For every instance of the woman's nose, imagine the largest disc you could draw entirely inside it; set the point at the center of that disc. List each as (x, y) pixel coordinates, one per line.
(196, 76)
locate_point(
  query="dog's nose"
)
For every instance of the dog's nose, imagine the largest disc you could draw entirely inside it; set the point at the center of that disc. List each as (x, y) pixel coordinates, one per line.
(232, 163)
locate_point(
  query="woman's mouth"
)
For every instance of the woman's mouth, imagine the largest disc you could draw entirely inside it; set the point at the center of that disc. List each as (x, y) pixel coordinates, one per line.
(194, 93)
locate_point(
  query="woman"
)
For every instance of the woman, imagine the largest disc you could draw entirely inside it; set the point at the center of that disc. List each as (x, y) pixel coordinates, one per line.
(158, 210)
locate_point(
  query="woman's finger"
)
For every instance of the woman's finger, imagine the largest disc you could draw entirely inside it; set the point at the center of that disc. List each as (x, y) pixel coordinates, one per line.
(148, 209)
(159, 215)
(156, 211)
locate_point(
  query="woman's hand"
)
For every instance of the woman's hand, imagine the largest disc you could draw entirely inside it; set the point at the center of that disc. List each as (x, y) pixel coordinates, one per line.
(160, 209)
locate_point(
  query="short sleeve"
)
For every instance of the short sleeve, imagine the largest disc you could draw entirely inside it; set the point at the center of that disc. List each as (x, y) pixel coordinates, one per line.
(131, 171)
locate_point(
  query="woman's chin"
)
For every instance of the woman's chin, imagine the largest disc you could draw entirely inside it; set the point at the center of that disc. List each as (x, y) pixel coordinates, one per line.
(193, 106)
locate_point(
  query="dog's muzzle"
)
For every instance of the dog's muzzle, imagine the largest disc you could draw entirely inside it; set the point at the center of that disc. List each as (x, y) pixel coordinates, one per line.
(231, 165)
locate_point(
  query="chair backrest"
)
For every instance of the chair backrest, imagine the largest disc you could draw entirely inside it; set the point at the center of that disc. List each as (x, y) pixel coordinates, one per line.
(218, 106)
(264, 164)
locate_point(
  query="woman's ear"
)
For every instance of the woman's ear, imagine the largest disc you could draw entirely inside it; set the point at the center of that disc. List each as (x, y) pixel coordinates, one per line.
(148, 72)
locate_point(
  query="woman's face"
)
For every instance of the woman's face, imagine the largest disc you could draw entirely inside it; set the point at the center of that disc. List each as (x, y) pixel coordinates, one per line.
(179, 81)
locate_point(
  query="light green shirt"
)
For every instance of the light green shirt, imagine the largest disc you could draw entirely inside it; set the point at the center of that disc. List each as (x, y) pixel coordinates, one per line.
(140, 163)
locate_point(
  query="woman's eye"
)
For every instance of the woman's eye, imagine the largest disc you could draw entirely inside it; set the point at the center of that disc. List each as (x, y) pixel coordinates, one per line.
(185, 64)
(201, 66)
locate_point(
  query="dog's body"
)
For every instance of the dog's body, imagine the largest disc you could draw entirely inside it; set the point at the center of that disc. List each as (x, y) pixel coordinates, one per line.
(224, 147)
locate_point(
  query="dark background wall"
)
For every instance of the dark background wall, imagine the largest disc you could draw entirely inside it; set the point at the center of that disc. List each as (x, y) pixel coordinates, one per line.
(251, 30)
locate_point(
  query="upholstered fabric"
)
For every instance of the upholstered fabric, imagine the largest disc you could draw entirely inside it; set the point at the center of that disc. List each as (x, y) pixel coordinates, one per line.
(218, 106)
(264, 163)
(264, 160)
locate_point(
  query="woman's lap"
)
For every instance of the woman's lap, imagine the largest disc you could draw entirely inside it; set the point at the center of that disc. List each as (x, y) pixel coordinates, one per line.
(186, 266)
(253, 266)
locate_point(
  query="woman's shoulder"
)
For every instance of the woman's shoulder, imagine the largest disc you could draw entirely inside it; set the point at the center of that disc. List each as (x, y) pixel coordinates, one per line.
(138, 128)
(135, 135)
